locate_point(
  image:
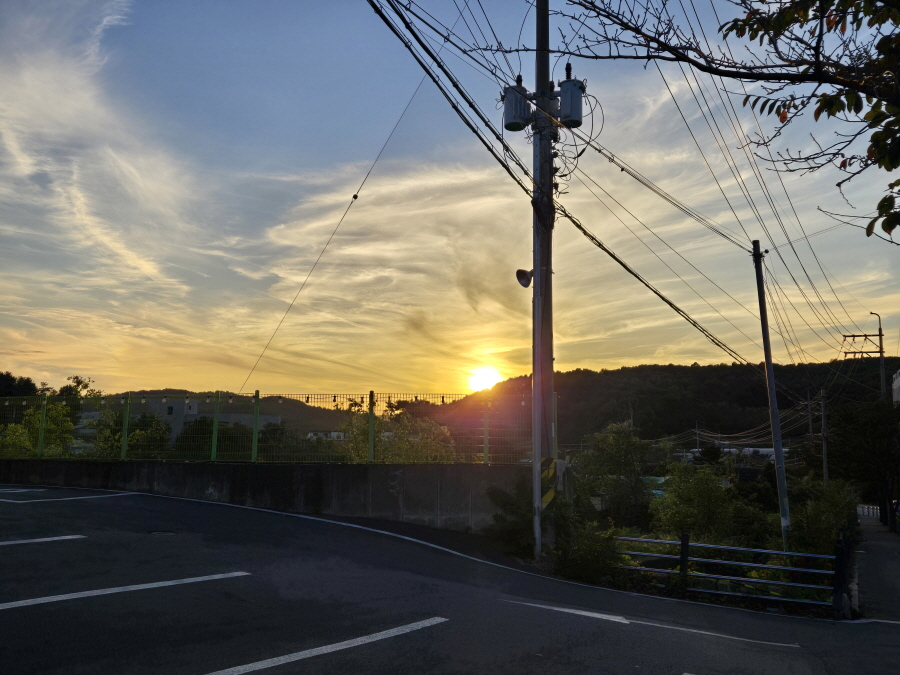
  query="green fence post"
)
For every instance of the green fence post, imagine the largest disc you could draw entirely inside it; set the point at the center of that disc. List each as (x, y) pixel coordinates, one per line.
(215, 433)
(487, 433)
(254, 447)
(371, 426)
(43, 426)
(126, 414)
(555, 428)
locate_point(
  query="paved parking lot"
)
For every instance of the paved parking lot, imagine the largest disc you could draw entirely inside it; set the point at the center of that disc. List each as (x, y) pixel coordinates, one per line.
(102, 582)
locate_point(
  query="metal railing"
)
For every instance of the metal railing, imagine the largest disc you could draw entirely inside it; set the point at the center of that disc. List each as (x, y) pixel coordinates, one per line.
(755, 573)
(868, 510)
(220, 426)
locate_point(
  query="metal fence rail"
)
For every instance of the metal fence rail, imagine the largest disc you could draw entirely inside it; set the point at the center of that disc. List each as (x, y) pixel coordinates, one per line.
(747, 572)
(868, 510)
(222, 426)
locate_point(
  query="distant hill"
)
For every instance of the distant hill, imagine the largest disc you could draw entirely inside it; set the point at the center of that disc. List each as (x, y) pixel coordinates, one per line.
(668, 399)
(301, 416)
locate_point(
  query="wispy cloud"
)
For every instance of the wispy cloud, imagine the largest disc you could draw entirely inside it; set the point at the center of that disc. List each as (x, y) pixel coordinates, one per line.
(127, 259)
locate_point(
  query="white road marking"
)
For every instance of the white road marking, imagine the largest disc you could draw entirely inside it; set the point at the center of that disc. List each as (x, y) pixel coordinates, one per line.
(118, 589)
(579, 612)
(420, 542)
(621, 619)
(64, 499)
(37, 541)
(328, 649)
(22, 490)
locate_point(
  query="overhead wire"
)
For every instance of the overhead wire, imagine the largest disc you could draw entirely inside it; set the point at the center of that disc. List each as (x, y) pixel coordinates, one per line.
(822, 268)
(655, 234)
(509, 153)
(754, 166)
(352, 201)
(560, 209)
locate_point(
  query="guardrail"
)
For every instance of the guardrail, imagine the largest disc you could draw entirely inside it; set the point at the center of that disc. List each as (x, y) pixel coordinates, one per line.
(777, 582)
(868, 510)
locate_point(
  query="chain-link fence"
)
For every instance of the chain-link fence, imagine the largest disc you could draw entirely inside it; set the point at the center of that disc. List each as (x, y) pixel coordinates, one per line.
(220, 426)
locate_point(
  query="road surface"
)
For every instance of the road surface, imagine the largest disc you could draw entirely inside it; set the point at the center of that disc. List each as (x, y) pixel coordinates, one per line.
(103, 582)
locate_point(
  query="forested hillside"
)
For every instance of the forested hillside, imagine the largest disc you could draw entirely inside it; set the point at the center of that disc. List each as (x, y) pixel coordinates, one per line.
(668, 399)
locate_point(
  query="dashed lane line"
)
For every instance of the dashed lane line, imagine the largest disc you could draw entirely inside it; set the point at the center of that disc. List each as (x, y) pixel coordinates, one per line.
(41, 540)
(622, 619)
(328, 649)
(118, 589)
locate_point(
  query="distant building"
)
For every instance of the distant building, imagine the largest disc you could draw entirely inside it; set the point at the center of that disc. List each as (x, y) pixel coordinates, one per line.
(177, 412)
(895, 388)
(328, 435)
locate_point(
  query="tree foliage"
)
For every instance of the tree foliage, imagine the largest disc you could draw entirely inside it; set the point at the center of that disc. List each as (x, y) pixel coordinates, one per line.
(612, 472)
(23, 439)
(836, 58)
(864, 447)
(11, 385)
(399, 436)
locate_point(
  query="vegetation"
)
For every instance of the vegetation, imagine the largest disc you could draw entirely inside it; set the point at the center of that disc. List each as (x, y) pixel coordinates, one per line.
(399, 436)
(834, 59)
(23, 439)
(661, 400)
(614, 494)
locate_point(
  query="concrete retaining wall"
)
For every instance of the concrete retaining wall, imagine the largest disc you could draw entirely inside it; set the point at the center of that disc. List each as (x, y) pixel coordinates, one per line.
(448, 496)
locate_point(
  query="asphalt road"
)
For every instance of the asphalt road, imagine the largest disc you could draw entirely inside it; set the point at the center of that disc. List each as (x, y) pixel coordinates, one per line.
(146, 584)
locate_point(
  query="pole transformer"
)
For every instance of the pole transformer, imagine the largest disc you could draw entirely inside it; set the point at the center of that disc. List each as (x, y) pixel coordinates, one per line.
(774, 417)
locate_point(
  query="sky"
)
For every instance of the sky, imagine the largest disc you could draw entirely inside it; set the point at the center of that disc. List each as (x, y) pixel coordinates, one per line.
(170, 171)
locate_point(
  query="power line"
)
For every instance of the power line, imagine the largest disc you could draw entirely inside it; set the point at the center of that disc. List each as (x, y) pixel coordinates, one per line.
(510, 153)
(334, 232)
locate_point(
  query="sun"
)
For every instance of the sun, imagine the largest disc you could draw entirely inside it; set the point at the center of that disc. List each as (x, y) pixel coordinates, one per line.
(484, 378)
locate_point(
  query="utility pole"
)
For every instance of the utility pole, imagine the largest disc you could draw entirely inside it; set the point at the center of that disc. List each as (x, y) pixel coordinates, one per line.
(774, 417)
(824, 443)
(542, 300)
(879, 351)
(551, 109)
(809, 418)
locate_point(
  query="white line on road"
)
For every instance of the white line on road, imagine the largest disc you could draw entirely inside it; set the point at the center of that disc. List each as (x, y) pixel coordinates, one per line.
(327, 649)
(118, 589)
(64, 499)
(622, 619)
(38, 541)
(21, 490)
(579, 612)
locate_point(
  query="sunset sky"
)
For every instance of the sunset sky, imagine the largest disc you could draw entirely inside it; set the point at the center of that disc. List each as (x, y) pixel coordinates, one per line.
(170, 170)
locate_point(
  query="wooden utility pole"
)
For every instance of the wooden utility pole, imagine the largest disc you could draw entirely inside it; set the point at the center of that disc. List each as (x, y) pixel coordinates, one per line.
(544, 128)
(824, 443)
(774, 417)
(879, 351)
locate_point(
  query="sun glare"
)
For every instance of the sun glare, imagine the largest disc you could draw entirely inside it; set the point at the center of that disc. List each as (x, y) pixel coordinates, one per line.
(484, 378)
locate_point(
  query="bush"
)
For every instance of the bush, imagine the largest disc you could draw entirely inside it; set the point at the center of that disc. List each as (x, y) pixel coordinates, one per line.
(817, 519)
(590, 554)
(698, 501)
(513, 527)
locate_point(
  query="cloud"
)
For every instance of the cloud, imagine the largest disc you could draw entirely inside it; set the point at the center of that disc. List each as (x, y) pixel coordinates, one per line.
(128, 259)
